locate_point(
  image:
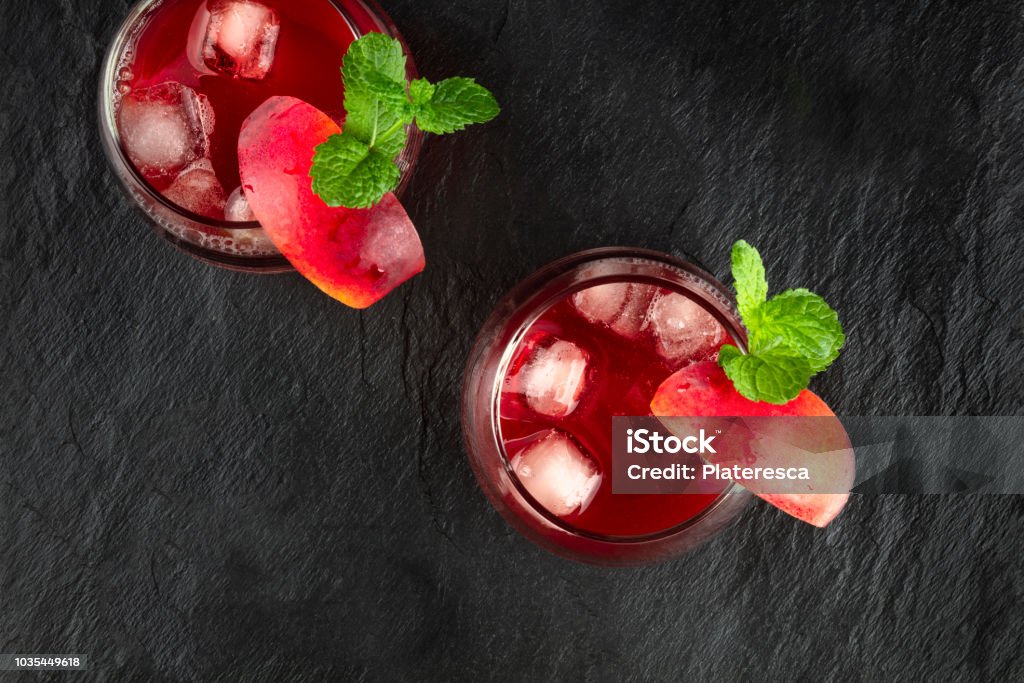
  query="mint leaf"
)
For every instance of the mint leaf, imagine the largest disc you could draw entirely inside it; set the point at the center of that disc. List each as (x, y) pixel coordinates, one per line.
(373, 72)
(356, 168)
(391, 143)
(373, 62)
(802, 321)
(390, 93)
(748, 272)
(368, 119)
(791, 337)
(455, 104)
(421, 91)
(347, 172)
(773, 376)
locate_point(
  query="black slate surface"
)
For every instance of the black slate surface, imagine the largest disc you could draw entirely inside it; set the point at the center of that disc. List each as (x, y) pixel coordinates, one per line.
(206, 474)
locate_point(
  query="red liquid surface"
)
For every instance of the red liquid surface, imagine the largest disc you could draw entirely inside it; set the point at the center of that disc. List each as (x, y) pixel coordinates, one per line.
(623, 375)
(313, 39)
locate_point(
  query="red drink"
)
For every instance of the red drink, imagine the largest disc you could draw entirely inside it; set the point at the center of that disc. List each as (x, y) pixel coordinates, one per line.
(588, 338)
(182, 77)
(620, 376)
(310, 45)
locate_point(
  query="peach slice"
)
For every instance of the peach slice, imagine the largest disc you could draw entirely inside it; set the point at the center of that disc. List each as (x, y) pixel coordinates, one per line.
(821, 445)
(356, 256)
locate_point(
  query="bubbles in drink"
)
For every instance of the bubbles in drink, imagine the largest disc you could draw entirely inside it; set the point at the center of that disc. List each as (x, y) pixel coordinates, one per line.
(683, 330)
(237, 207)
(165, 128)
(558, 475)
(236, 38)
(622, 306)
(553, 378)
(198, 190)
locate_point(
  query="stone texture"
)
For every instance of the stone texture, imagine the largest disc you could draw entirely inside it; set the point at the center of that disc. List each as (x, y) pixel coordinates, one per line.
(209, 475)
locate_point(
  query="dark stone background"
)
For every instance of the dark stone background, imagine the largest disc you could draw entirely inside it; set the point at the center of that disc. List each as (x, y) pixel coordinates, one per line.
(206, 474)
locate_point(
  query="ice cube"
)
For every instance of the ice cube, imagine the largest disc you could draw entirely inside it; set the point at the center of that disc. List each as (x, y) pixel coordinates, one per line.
(622, 306)
(237, 207)
(684, 331)
(165, 128)
(558, 474)
(236, 38)
(553, 378)
(198, 190)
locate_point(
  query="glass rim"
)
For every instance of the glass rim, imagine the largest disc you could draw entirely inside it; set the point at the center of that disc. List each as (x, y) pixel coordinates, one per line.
(544, 276)
(108, 110)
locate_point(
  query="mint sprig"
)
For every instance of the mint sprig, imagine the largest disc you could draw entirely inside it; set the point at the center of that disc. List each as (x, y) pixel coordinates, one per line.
(791, 337)
(356, 168)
